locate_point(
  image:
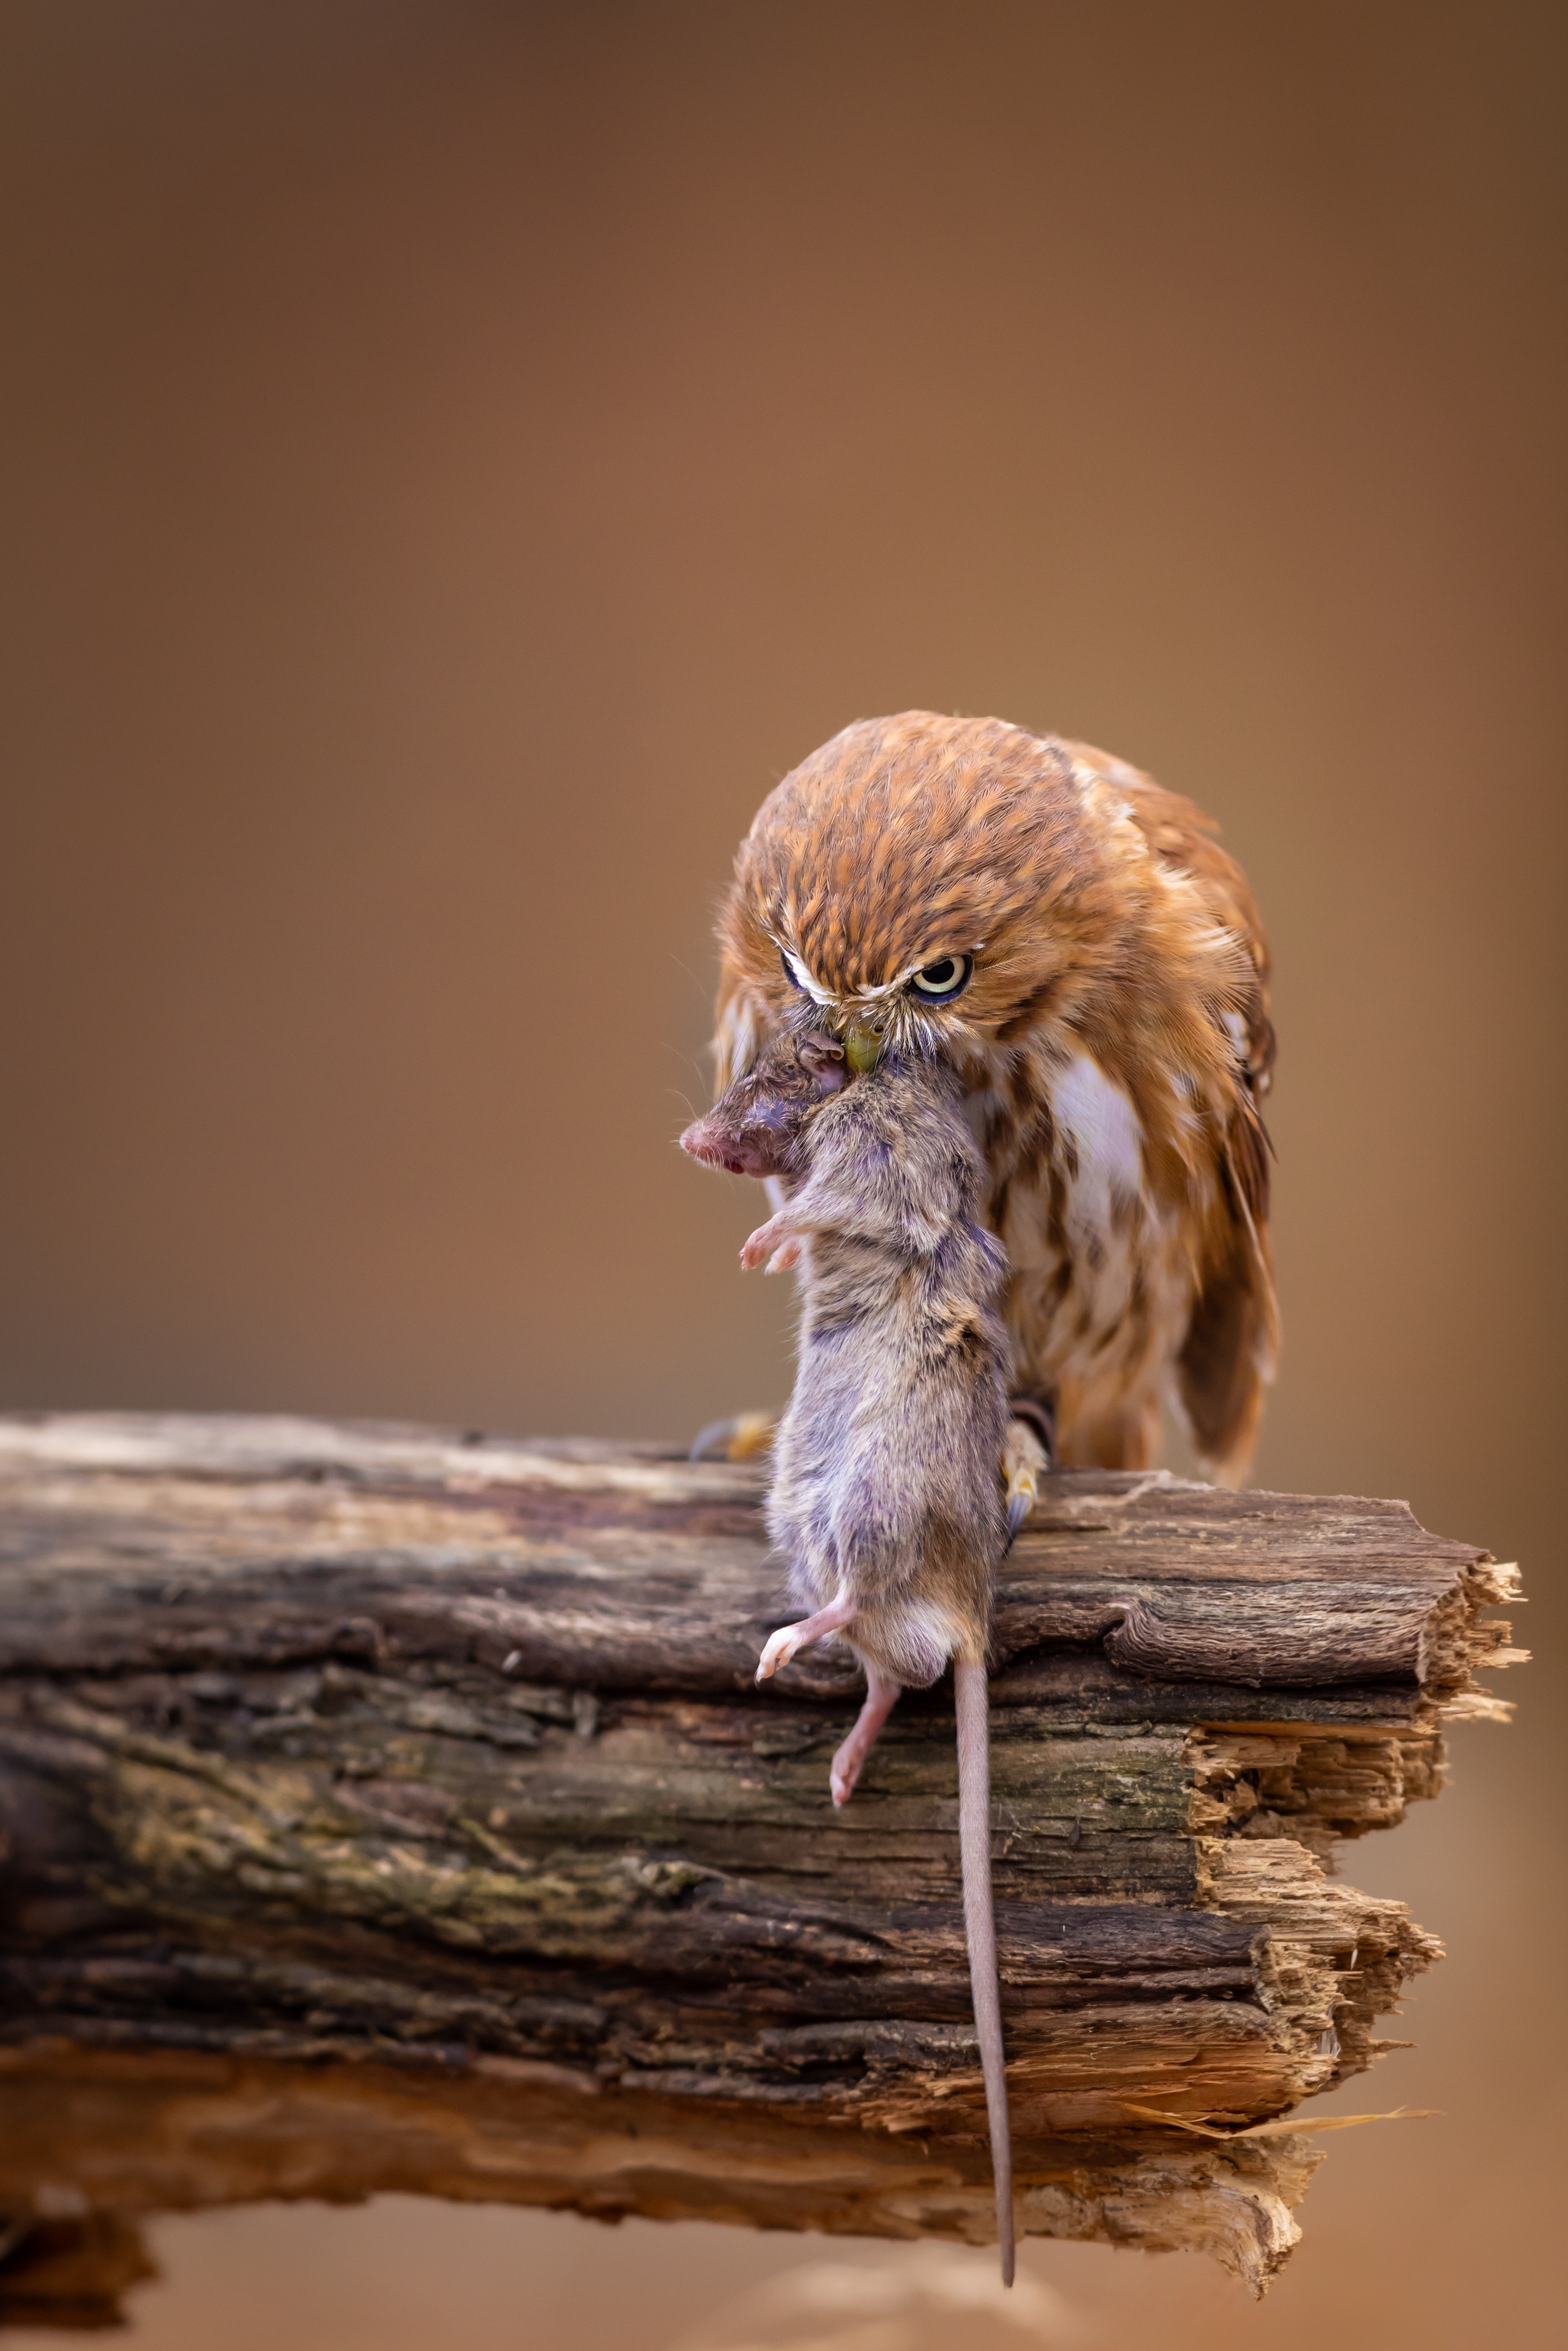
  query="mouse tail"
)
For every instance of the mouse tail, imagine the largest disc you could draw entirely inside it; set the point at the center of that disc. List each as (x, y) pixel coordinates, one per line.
(979, 1927)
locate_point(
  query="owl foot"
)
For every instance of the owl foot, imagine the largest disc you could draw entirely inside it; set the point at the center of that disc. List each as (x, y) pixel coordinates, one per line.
(740, 1439)
(1025, 1458)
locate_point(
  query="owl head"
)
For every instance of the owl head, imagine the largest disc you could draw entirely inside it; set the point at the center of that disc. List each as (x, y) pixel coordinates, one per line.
(927, 885)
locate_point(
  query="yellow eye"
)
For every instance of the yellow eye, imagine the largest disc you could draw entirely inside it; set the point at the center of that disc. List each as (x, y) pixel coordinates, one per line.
(940, 982)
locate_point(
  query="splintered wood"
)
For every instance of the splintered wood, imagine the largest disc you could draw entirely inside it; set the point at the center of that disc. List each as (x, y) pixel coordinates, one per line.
(390, 1811)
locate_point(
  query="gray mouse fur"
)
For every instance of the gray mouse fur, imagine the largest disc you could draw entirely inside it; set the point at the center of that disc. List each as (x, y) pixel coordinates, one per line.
(885, 1497)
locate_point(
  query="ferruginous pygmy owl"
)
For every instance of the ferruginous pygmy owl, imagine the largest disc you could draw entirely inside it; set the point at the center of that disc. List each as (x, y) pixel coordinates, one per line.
(1073, 939)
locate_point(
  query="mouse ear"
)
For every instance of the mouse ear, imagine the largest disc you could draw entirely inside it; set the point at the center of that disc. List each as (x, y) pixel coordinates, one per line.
(819, 1052)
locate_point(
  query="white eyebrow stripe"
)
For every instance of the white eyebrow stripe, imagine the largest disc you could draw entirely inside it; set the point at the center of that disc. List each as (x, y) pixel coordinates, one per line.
(814, 988)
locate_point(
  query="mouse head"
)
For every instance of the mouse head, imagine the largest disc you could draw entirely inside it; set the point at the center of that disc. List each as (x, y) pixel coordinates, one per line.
(755, 1128)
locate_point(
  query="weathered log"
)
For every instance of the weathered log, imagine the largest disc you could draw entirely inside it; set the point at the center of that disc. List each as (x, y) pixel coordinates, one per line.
(391, 1810)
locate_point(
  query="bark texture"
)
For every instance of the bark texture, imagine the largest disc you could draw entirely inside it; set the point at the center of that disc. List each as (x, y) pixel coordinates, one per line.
(387, 1810)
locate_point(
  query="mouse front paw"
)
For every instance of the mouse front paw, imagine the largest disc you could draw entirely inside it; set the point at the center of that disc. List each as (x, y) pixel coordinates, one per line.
(776, 1235)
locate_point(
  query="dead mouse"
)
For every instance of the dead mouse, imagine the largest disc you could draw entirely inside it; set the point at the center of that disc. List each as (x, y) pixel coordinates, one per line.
(886, 1498)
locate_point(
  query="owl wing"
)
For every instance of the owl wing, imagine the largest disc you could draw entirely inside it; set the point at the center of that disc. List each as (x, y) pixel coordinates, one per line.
(1232, 1336)
(1227, 1357)
(1182, 837)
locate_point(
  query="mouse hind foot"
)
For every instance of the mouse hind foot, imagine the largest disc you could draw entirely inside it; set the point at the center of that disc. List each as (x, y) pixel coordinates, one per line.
(790, 1639)
(881, 1694)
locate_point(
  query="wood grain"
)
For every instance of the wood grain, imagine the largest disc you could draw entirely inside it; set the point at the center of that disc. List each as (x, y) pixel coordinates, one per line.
(424, 1778)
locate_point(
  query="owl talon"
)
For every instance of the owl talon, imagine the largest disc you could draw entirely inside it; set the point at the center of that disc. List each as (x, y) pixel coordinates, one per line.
(1025, 1462)
(739, 1439)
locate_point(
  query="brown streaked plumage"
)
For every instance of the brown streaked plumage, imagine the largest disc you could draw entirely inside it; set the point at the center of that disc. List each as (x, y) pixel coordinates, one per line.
(1112, 1039)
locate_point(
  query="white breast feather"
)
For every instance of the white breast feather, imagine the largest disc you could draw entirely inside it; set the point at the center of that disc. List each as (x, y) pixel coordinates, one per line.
(1106, 1135)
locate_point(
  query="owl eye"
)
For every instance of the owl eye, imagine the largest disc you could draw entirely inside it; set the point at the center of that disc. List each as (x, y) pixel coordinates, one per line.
(940, 982)
(789, 971)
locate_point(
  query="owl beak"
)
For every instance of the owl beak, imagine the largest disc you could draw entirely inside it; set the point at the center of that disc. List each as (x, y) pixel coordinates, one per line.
(862, 1044)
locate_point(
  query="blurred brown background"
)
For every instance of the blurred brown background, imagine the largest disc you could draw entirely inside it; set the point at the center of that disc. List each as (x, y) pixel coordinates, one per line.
(456, 458)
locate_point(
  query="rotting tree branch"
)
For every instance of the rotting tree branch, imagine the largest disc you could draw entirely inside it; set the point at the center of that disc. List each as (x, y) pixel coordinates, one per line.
(390, 1811)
